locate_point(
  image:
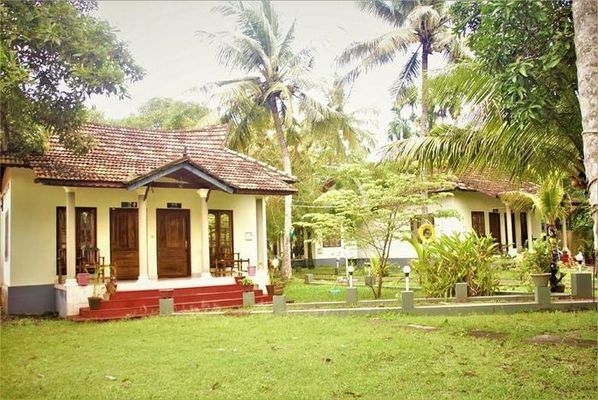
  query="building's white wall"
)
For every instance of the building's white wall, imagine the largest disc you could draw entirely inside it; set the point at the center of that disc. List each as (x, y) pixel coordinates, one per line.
(33, 233)
(463, 203)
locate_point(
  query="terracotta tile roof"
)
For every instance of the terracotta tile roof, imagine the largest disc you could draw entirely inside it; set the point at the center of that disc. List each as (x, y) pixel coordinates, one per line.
(123, 154)
(492, 183)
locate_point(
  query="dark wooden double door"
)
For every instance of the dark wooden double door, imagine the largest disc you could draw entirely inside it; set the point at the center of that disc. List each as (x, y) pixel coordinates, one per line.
(172, 226)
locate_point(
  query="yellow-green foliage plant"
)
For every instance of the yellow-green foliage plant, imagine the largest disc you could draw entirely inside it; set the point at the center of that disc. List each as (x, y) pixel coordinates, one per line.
(450, 259)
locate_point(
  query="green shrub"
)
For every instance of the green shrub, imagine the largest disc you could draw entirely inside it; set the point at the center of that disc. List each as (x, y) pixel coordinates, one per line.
(536, 260)
(450, 259)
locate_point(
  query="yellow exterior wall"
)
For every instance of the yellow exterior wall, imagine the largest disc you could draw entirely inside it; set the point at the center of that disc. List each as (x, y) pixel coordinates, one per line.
(33, 233)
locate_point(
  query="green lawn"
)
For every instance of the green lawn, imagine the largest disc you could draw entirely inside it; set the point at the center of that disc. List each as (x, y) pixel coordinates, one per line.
(300, 357)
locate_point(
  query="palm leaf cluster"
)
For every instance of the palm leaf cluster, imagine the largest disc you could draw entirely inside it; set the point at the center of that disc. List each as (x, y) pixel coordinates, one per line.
(484, 137)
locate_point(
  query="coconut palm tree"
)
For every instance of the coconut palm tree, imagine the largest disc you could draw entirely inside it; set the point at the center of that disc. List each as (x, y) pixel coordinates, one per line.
(484, 139)
(344, 131)
(277, 83)
(421, 27)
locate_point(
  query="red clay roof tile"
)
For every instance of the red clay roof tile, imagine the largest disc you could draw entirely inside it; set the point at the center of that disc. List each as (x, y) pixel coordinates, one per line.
(123, 154)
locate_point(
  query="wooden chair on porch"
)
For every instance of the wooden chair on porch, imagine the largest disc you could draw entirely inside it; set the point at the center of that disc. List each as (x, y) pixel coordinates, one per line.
(89, 259)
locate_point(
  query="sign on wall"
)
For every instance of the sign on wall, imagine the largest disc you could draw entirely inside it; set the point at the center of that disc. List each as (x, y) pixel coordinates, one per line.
(128, 204)
(173, 205)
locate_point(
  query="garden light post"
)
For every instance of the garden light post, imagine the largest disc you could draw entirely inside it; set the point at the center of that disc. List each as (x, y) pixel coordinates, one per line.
(338, 263)
(579, 259)
(407, 271)
(350, 270)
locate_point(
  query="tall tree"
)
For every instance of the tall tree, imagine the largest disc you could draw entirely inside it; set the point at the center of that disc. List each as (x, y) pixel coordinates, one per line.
(53, 56)
(522, 88)
(421, 27)
(277, 81)
(372, 204)
(585, 15)
(166, 113)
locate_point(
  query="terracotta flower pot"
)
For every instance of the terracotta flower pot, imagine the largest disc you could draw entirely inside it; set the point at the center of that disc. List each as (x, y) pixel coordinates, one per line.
(94, 303)
(82, 279)
(248, 288)
(270, 290)
(278, 290)
(540, 280)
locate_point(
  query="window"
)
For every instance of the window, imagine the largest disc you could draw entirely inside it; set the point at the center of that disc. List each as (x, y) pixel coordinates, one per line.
(331, 241)
(85, 232)
(478, 224)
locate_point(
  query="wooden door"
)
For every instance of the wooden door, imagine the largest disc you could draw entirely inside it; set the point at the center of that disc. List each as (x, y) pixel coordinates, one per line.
(478, 223)
(173, 243)
(494, 219)
(220, 224)
(124, 242)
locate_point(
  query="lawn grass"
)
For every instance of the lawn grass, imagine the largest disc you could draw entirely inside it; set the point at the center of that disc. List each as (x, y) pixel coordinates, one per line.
(299, 357)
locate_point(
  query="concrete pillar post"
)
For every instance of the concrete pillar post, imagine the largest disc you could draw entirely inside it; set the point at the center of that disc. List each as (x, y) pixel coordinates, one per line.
(407, 301)
(461, 292)
(71, 238)
(503, 233)
(142, 227)
(203, 269)
(509, 224)
(262, 251)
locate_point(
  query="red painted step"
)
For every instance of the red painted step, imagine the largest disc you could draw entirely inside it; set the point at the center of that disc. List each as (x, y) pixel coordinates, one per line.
(134, 304)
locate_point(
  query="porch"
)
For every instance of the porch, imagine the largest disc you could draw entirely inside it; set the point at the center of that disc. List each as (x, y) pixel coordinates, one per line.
(174, 238)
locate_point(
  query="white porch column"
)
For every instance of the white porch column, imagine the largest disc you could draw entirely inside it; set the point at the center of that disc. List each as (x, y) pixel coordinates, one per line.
(565, 244)
(71, 238)
(142, 226)
(262, 251)
(203, 268)
(509, 230)
(503, 231)
(528, 217)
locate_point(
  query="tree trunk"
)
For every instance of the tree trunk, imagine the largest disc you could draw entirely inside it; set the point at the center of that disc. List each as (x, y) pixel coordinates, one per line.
(286, 270)
(585, 18)
(424, 89)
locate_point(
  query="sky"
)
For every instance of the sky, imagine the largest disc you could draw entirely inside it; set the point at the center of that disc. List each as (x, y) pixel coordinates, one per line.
(163, 38)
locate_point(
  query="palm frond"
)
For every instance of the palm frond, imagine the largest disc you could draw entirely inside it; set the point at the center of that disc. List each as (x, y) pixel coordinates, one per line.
(408, 74)
(376, 52)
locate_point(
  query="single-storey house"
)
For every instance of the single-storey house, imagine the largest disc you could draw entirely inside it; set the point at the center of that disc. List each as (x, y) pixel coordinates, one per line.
(476, 199)
(163, 207)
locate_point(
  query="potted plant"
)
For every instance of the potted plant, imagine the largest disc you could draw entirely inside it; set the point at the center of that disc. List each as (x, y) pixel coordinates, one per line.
(247, 284)
(276, 285)
(95, 300)
(537, 262)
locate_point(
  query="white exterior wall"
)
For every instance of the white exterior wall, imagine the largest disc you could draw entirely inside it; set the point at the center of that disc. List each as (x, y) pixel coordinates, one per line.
(462, 203)
(33, 238)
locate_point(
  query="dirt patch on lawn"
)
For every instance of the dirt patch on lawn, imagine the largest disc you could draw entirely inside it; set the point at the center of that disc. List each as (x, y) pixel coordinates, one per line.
(478, 333)
(553, 339)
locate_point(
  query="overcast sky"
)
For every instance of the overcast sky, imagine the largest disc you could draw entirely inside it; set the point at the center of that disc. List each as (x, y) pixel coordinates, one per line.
(162, 35)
